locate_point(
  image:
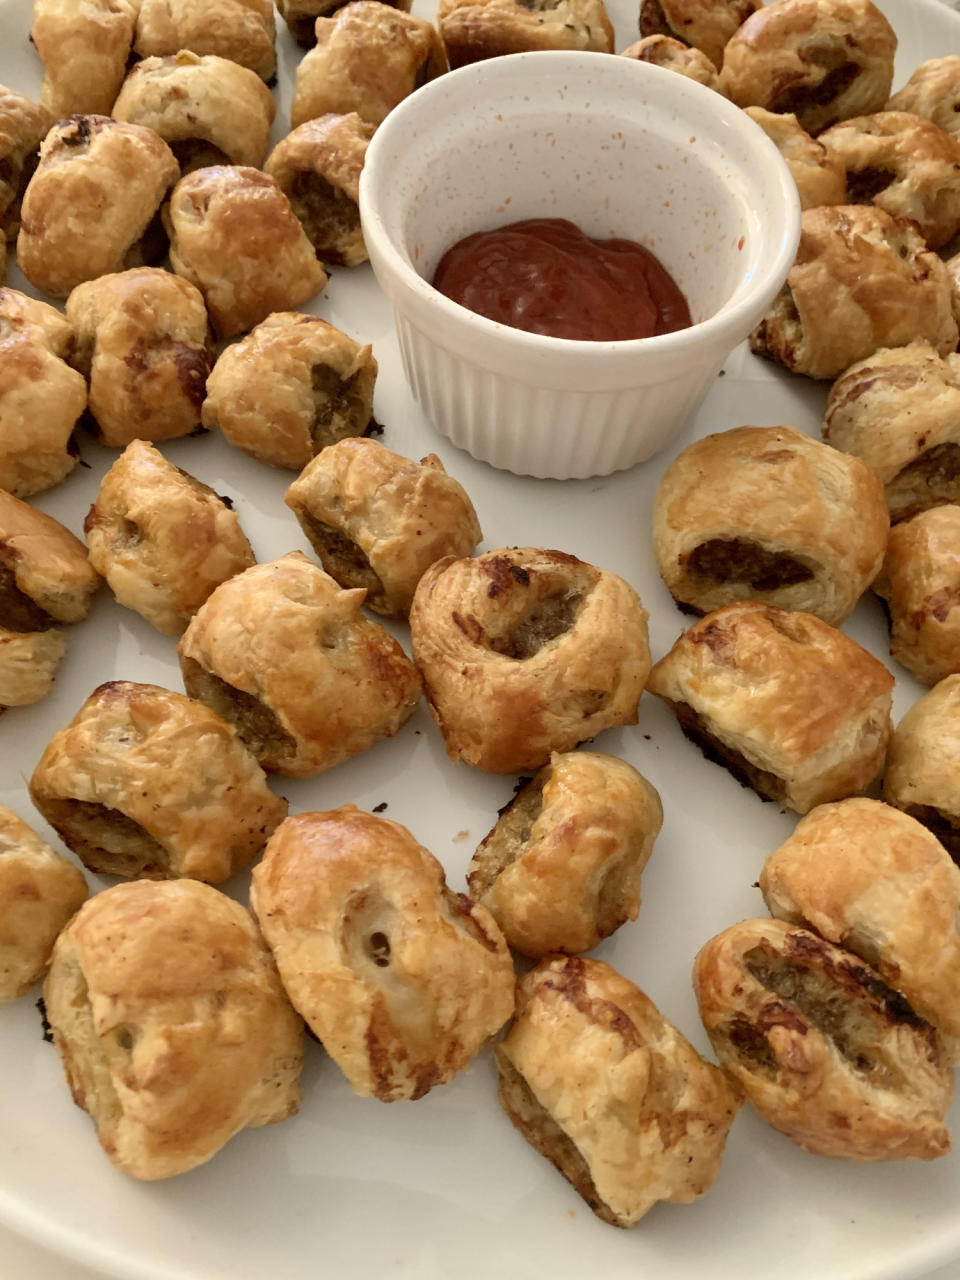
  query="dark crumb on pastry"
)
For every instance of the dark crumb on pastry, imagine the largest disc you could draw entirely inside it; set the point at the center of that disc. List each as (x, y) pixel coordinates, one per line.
(41, 1006)
(106, 840)
(343, 558)
(379, 808)
(944, 826)
(544, 621)
(373, 428)
(505, 843)
(253, 720)
(768, 786)
(227, 502)
(17, 611)
(743, 560)
(337, 408)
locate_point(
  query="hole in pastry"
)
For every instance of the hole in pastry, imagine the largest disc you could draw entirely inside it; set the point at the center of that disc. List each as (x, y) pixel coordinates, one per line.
(328, 215)
(196, 153)
(805, 97)
(254, 721)
(945, 826)
(767, 785)
(17, 611)
(125, 1037)
(743, 560)
(751, 1044)
(339, 407)
(378, 948)
(343, 558)
(126, 533)
(151, 247)
(106, 840)
(864, 184)
(544, 621)
(506, 842)
(933, 479)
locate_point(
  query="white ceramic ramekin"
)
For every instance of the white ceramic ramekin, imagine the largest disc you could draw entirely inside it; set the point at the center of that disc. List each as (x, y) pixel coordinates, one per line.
(622, 148)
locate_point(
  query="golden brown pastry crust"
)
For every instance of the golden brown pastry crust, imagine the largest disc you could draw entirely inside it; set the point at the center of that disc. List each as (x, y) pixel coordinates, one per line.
(823, 60)
(288, 657)
(145, 782)
(41, 397)
(903, 164)
(933, 91)
(368, 57)
(792, 707)
(40, 890)
(599, 1082)
(234, 235)
(85, 46)
(922, 776)
(874, 881)
(706, 25)
(141, 339)
(820, 176)
(561, 869)
(48, 565)
(823, 1049)
(674, 55)
(318, 167)
(94, 194)
(162, 539)
(920, 582)
(402, 980)
(378, 520)
(23, 125)
(241, 31)
(861, 280)
(209, 110)
(28, 665)
(767, 513)
(289, 388)
(524, 652)
(899, 410)
(172, 1025)
(301, 16)
(472, 30)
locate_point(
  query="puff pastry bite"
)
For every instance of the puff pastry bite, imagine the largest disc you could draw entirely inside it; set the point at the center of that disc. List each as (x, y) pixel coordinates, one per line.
(706, 25)
(207, 109)
(792, 707)
(292, 386)
(820, 176)
(824, 1050)
(23, 125)
(610, 1092)
(472, 30)
(318, 167)
(234, 235)
(524, 652)
(85, 48)
(41, 397)
(301, 16)
(285, 655)
(665, 51)
(378, 520)
(40, 890)
(561, 869)
(141, 339)
(933, 91)
(861, 280)
(768, 513)
(146, 783)
(402, 980)
(242, 31)
(171, 1023)
(899, 410)
(874, 881)
(904, 164)
(920, 582)
(91, 207)
(821, 60)
(922, 776)
(162, 539)
(368, 57)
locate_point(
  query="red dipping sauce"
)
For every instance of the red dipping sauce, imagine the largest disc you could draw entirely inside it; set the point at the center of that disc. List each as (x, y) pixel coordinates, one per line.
(545, 276)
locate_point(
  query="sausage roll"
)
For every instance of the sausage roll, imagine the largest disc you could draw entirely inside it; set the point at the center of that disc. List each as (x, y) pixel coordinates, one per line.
(861, 280)
(378, 520)
(706, 25)
(524, 652)
(242, 31)
(173, 1028)
(903, 164)
(933, 91)
(874, 881)
(920, 583)
(610, 1092)
(234, 235)
(768, 513)
(824, 1050)
(820, 176)
(286, 656)
(41, 397)
(401, 980)
(792, 707)
(92, 205)
(292, 386)
(472, 30)
(664, 51)
(148, 784)
(161, 538)
(39, 892)
(899, 410)
(207, 109)
(85, 48)
(142, 341)
(561, 869)
(821, 60)
(23, 126)
(922, 776)
(301, 16)
(368, 57)
(318, 168)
